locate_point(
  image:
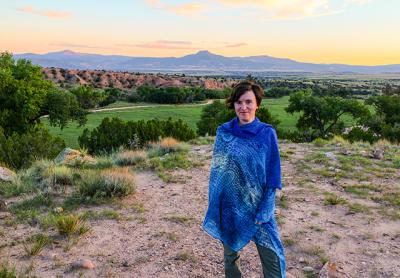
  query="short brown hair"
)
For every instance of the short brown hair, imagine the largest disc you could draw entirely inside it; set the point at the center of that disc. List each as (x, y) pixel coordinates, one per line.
(241, 88)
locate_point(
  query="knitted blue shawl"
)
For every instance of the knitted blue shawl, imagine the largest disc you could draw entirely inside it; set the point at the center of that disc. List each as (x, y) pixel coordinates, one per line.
(245, 172)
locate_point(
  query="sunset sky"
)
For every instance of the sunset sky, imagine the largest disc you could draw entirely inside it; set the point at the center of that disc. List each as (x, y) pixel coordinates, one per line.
(363, 32)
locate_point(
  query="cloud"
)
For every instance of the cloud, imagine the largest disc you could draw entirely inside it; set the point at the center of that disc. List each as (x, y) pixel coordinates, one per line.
(162, 44)
(72, 45)
(284, 9)
(237, 44)
(189, 8)
(45, 13)
(174, 42)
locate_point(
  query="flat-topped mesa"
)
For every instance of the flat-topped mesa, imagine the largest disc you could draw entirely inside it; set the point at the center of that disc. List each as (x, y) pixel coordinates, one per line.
(128, 80)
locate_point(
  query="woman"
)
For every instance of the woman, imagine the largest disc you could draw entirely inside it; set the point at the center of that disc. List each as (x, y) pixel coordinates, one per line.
(245, 172)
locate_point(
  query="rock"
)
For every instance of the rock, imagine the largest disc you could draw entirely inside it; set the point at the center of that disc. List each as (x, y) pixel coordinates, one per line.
(331, 156)
(301, 260)
(329, 270)
(3, 205)
(71, 157)
(83, 263)
(6, 174)
(4, 215)
(308, 269)
(377, 154)
(58, 209)
(346, 152)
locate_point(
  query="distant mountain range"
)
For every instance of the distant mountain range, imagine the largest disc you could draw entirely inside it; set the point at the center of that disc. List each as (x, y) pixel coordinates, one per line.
(200, 61)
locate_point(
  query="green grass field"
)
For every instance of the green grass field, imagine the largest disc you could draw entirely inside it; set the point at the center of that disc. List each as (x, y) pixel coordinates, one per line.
(188, 113)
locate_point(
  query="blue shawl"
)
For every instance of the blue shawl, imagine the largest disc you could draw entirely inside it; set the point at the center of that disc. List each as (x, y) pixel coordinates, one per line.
(245, 172)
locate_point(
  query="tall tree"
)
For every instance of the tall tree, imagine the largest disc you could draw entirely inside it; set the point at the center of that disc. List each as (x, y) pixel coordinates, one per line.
(321, 116)
(25, 97)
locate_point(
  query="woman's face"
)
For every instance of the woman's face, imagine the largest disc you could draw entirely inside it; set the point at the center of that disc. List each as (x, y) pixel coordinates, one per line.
(245, 107)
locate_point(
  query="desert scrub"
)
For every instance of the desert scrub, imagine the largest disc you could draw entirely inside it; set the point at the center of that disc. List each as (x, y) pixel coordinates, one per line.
(31, 208)
(202, 140)
(19, 185)
(129, 157)
(7, 271)
(57, 175)
(165, 146)
(186, 256)
(71, 225)
(99, 215)
(170, 161)
(180, 219)
(358, 208)
(318, 157)
(319, 142)
(333, 199)
(35, 244)
(115, 182)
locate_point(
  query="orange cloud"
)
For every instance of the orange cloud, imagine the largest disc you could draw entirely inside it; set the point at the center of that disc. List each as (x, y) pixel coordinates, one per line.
(46, 13)
(182, 9)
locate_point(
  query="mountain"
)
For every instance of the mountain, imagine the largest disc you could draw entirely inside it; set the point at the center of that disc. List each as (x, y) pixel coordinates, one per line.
(200, 61)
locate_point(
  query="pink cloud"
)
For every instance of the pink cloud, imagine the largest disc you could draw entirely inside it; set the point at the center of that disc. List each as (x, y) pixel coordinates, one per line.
(45, 13)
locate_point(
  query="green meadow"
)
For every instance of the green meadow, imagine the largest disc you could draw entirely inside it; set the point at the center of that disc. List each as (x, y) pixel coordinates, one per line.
(188, 113)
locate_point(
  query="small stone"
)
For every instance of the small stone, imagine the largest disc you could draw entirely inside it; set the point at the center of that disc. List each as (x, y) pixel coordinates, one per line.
(330, 155)
(125, 264)
(58, 209)
(377, 154)
(6, 174)
(301, 260)
(363, 263)
(4, 215)
(84, 263)
(308, 269)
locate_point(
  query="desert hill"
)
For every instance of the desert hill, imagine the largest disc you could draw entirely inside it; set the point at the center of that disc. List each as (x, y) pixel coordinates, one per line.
(129, 80)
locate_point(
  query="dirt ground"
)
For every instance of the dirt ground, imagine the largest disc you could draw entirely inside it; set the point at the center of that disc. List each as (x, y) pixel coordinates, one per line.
(159, 232)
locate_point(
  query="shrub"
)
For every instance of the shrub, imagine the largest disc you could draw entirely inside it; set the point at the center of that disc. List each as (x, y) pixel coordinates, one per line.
(116, 182)
(167, 145)
(319, 142)
(129, 157)
(71, 225)
(20, 150)
(113, 134)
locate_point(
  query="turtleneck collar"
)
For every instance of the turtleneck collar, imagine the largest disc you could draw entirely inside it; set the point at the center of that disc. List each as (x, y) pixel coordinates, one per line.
(244, 131)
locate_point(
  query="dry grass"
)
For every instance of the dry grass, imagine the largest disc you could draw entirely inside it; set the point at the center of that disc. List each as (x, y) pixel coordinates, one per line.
(129, 157)
(122, 176)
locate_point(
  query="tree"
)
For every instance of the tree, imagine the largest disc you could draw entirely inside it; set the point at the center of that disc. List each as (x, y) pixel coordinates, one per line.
(25, 97)
(88, 97)
(386, 121)
(321, 116)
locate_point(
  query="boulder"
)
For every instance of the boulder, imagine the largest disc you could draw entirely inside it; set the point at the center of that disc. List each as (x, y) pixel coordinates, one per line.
(6, 174)
(72, 157)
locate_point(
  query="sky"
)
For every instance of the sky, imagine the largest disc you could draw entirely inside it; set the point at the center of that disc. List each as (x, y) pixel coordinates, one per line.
(357, 32)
